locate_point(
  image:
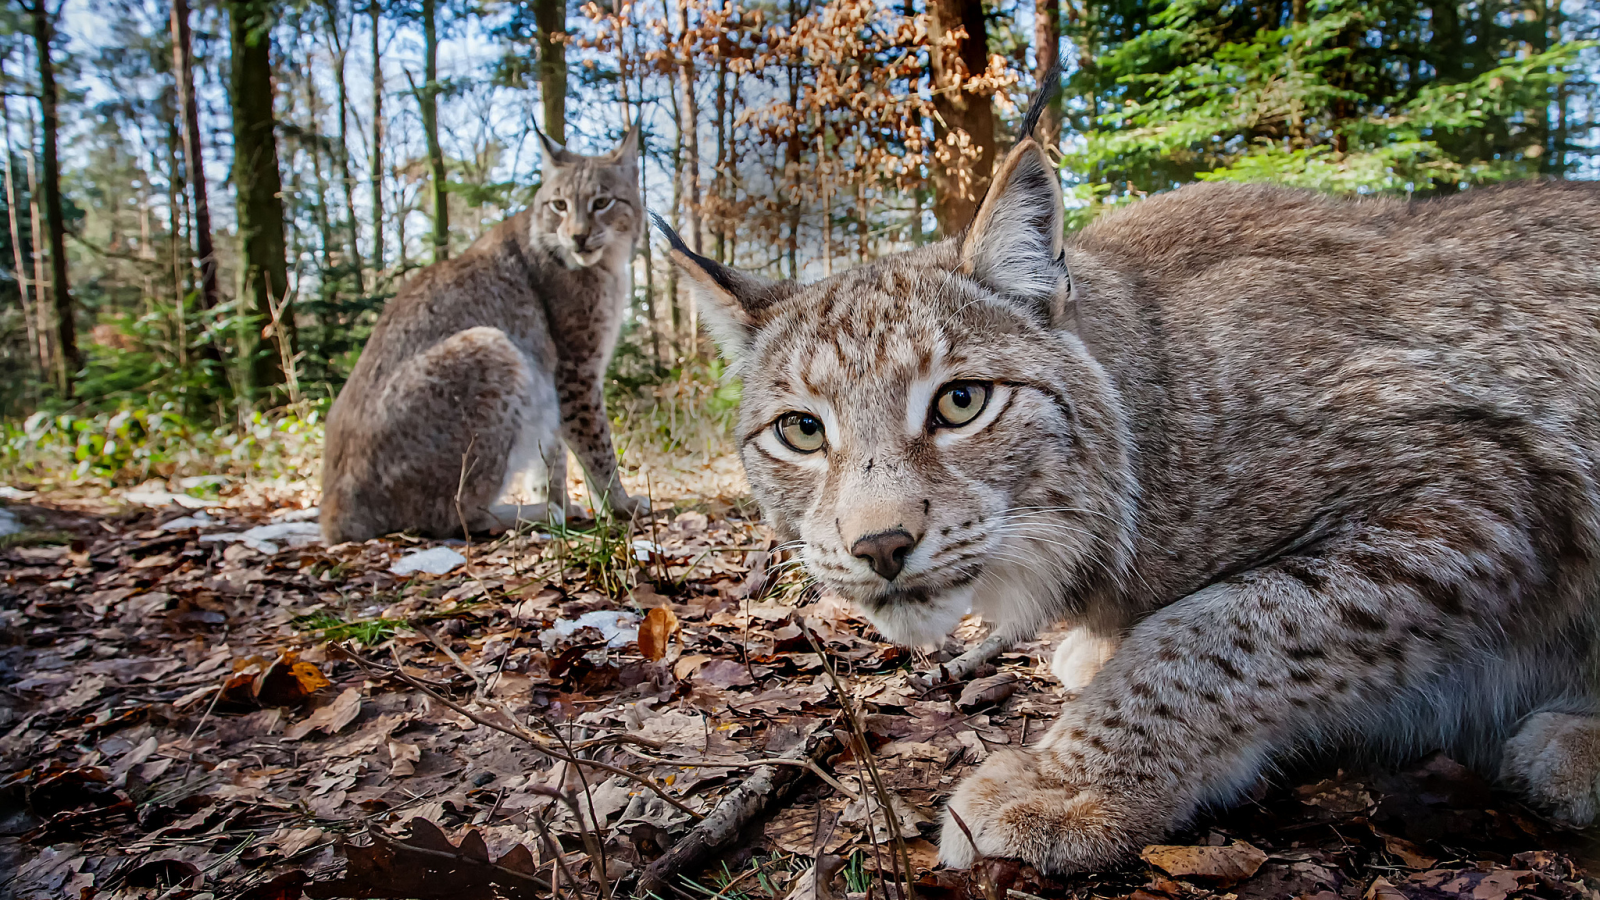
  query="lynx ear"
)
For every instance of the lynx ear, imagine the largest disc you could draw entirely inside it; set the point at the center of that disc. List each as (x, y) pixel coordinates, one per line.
(1014, 244)
(730, 301)
(627, 152)
(554, 153)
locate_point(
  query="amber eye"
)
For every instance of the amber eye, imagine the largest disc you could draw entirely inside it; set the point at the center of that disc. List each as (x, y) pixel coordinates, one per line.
(959, 402)
(559, 206)
(602, 204)
(800, 432)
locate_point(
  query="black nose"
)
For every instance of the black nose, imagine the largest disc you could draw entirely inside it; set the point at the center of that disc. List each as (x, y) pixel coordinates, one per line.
(581, 241)
(885, 551)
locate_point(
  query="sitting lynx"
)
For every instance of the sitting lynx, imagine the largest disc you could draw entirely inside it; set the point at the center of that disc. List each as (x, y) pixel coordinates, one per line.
(1327, 468)
(483, 365)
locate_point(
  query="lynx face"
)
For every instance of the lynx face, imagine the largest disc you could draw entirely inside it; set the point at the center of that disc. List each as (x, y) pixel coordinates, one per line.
(926, 427)
(588, 205)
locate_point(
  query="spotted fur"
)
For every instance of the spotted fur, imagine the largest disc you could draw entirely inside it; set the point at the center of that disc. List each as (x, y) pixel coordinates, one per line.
(1324, 468)
(485, 368)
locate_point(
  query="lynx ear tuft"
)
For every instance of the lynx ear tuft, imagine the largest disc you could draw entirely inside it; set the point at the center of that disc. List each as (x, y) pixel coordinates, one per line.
(1015, 243)
(730, 302)
(554, 153)
(627, 152)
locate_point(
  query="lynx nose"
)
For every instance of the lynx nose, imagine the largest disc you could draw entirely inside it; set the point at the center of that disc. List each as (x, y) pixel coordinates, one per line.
(885, 551)
(581, 241)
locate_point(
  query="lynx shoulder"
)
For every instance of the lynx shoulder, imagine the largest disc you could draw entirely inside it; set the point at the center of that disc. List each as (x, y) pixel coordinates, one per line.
(485, 368)
(1304, 473)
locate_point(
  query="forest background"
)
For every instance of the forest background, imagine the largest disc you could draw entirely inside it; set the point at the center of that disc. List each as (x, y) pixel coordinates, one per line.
(206, 206)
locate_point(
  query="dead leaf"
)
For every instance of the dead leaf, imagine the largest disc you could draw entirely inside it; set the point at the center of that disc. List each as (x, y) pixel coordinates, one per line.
(656, 632)
(403, 758)
(1221, 866)
(816, 883)
(987, 691)
(329, 719)
(289, 681)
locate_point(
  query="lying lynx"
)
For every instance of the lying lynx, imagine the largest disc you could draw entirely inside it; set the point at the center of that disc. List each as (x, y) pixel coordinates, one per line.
(483, 365)
(1327, 469)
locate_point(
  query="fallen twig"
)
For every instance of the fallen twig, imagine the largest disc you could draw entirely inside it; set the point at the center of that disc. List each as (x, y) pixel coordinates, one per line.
(767, 786)
(962, 667)
(519, 733)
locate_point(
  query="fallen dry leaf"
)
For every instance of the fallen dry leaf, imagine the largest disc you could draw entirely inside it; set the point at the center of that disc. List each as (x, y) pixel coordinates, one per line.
(656, 632)
(1221, 866)
(329, 719)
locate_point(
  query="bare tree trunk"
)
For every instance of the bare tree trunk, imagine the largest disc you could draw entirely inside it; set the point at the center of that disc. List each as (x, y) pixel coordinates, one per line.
(194, 158)
(720, 177)
(41, 280)
(429, 98)
(960, 184)
(550, 17)
(375, 14)
(352, 230)
(689, 123)
(1047, 53)
(38, 350)
(68, 359)
(259, 185)
(177, 246)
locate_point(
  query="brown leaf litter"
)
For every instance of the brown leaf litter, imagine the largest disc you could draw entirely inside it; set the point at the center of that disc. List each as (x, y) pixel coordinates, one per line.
(189, 712)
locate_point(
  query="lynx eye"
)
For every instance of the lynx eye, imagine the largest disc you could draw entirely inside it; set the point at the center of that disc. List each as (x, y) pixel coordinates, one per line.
(603, 203)
(959, 402)
(559, 206)
(800, 432)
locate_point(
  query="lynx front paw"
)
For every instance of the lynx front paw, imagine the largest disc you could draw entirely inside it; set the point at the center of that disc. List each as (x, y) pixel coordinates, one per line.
(1555, 760)
(626, 507)
(1016, 806)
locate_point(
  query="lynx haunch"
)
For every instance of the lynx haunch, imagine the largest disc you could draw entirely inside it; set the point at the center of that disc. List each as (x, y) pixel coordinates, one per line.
(1323, 471)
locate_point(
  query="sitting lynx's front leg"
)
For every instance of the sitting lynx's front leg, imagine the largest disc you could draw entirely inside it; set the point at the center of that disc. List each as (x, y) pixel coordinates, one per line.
(1202, 692)
(587, 431)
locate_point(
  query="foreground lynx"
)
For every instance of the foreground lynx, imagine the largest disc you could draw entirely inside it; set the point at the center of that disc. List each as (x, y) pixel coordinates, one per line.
(483, 365)
(1327, 468)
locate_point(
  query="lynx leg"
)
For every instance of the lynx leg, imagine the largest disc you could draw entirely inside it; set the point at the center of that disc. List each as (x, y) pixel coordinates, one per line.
(587, 431)
(1554, 759)
(1204, 691)
(1079, 656)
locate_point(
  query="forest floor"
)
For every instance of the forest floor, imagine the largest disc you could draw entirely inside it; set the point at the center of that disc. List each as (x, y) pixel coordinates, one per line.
(204, 701)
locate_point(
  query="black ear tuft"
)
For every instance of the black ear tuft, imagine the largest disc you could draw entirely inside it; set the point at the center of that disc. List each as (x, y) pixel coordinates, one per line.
(1049, 87)
(735, 283)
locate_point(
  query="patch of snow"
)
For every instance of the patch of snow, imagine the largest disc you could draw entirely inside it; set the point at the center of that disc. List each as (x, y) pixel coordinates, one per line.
(198, 520)
(297, 515)
(9, 523)
(7, 492)
(620, 627)
(434, 561)
(266, 538)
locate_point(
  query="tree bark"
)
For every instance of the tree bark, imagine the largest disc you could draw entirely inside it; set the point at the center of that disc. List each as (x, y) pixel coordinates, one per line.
(1047, 53)
(205, 255)
(38, 345)
(428, 99)
(375, 14)
(960, 49)
(259, 186)
(352, 231)
(67, 358)
(550, 17)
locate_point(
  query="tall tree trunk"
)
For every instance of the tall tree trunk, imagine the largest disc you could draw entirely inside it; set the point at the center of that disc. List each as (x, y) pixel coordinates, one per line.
(38, 348)
(550, 17)
(205, 253)
(178, 250)
(689, 122)
(722, 175)
(1047, 53)
(341, 152)
(68, 359)
(960, 184)
(259, 185)
(429, 99)
(375, 14)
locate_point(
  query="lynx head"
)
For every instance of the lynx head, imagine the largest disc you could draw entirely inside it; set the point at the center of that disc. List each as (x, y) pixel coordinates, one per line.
(928, 426)
(588, 205)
